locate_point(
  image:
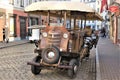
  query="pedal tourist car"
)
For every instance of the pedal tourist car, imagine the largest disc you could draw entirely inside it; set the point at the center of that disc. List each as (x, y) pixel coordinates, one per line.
(60, 45)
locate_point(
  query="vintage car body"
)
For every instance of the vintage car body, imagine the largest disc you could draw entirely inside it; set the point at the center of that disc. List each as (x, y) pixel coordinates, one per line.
(60, 47)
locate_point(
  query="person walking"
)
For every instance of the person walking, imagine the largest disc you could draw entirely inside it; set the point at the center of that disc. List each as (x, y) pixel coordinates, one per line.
(3, 34)
(103, 32)
(6, 35)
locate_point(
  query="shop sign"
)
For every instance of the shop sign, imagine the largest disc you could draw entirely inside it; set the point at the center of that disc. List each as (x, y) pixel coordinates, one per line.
(113, 9)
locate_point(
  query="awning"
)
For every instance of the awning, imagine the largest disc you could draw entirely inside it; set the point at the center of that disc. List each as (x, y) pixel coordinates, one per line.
(81, 10)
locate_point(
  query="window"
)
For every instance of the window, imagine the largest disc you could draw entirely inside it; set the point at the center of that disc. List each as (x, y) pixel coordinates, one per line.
(27, 3)
(11, 2)
(22, 3)
(97, 9)
(98, 2)
(30, 1)
(17, 1)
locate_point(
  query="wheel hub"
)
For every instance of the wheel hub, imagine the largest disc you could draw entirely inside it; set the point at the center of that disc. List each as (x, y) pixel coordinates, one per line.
(75, 68)
(51, 54)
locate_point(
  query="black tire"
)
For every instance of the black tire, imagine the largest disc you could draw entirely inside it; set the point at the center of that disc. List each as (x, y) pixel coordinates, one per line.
(72, 72)
(36, 43)
(35, 69)
(53, 59)
(31, 41)
(78, 62)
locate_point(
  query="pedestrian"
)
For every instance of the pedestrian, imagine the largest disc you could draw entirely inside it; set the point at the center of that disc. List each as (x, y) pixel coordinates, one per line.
(103, 32)
(6, 35)
(3, 34)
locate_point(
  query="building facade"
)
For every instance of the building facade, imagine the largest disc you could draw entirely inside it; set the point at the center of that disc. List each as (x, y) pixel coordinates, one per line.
(115, 22)
(111, 19)
(14, 20)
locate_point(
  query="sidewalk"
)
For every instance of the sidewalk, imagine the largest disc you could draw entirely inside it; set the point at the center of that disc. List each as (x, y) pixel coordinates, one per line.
(14, 43)
(109, 60)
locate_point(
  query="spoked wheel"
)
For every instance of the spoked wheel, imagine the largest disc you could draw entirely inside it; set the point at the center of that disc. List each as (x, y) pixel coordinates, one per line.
(35, 69)
(72, 72)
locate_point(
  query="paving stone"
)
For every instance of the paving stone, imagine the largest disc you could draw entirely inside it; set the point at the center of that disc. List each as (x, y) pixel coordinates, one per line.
(109, 60)
(13, 66)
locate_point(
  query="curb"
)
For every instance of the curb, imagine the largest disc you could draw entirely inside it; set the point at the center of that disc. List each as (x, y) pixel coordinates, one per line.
(13, 45)
(98, 75)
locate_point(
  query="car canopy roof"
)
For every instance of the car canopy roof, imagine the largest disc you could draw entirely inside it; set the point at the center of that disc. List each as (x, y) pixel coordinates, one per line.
(73, 9)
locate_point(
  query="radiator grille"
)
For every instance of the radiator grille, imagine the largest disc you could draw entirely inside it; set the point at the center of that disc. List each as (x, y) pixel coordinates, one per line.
(54, 38)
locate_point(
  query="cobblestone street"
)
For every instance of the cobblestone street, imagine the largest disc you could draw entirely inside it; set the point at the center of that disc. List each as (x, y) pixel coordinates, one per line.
(13, 66)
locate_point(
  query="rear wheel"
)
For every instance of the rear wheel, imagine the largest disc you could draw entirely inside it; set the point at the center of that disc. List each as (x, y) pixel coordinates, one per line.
(35, 69)
(72, 72)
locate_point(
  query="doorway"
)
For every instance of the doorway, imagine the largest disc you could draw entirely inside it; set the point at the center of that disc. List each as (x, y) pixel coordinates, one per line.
(23, 28)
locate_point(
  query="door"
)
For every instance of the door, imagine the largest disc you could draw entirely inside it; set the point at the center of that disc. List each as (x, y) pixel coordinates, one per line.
(23, 27)
(11, 26)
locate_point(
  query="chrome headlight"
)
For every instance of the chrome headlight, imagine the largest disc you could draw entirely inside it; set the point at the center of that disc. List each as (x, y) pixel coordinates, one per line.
(44, 34)
(65, 35)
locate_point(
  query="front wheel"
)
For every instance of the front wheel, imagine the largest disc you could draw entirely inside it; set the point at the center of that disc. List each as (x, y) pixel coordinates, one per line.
(35, 69)
(51, 55)
(72, 72)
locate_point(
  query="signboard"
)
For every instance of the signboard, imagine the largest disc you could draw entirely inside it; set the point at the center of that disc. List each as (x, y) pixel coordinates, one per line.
(113, 9)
